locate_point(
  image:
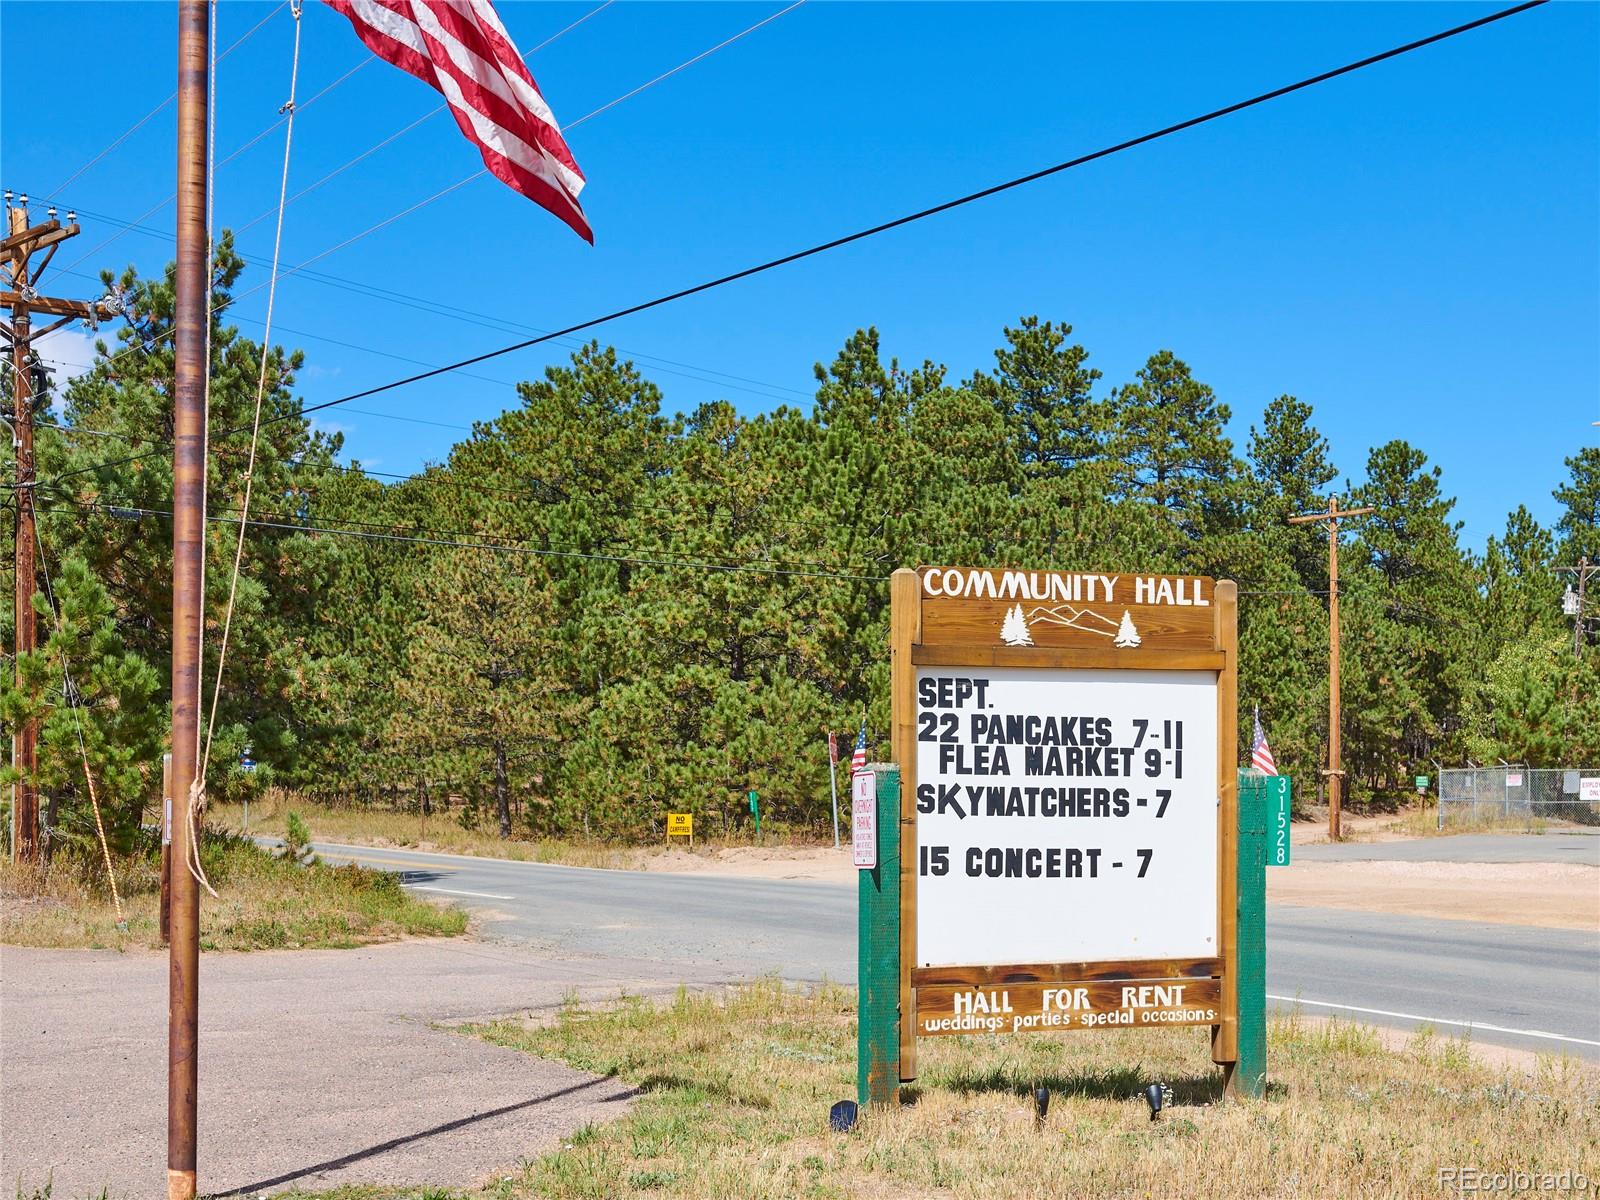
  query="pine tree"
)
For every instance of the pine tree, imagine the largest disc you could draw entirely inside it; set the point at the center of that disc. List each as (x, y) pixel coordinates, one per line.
(1171, 452)
(1014, 630)
(1043, 390)
(114, 703)
(1579, 497)
(477, 693)
(1127, 635)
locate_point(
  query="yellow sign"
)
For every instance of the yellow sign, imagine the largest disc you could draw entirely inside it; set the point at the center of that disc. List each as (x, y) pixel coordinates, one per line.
(680, 825)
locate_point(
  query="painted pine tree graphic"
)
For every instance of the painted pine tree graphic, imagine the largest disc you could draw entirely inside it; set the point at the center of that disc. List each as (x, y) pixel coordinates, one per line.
(1014, 630)
(1127, 635)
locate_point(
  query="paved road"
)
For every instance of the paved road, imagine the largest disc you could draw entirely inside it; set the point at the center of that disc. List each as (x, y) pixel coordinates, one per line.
(1563, 847)
(1512, 985)
(317, 1067)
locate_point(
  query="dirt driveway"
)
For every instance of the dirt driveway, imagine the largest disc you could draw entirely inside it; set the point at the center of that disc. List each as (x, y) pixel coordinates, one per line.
(316, 1067)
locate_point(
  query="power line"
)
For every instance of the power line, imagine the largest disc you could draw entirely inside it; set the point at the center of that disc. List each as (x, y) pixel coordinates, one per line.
(150, 212)
(541, 492)
(423, 119)
(922, 214)
(745, 567)
(295, 270)
(985, 193)
(55, 192)
(571, 125)
(384, 532)
(365, 61)
(759, 387)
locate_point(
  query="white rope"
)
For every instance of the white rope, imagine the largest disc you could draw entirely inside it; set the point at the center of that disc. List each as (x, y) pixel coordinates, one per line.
(140, 348)
(401, 132)
(195, 799)
(567, 128)
(197, 789)
(70, 694)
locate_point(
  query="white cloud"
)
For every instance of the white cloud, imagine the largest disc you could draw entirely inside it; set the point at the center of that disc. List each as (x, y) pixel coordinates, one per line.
(69, 353)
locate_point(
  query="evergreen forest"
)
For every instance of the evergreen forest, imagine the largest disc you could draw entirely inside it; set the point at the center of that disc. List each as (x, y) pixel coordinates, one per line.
(594, 609)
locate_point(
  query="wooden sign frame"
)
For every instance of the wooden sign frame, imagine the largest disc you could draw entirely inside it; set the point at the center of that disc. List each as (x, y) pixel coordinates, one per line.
(1198, 635)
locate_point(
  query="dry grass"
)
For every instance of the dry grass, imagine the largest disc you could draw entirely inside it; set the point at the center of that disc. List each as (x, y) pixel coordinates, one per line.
(264, 903)
(441, 832)
(735, 1090)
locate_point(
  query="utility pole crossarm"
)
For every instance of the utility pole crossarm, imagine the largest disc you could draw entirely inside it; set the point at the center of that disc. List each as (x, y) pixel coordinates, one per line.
(79, 310)
(22, 300)
(1583, 571)
(1333, 514)
(37, 237)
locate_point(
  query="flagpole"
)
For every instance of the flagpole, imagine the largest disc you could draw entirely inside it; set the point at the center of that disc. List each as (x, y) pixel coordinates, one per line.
(190, 316)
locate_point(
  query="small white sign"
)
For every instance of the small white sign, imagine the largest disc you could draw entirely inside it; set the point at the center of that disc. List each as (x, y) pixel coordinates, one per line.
(864, 818)
(1589, 789)
(1514, 779)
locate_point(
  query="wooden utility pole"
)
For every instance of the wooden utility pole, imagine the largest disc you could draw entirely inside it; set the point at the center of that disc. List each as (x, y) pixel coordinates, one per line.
(190, 317)
(1583, 570)
(22, 242)
(1335, 770)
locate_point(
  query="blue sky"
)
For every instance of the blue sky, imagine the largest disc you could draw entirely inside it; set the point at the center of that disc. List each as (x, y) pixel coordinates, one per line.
(1415, 250)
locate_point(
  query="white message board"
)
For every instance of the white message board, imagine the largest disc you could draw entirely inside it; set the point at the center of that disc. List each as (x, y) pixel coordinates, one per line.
(1065, 815)
(864, 819)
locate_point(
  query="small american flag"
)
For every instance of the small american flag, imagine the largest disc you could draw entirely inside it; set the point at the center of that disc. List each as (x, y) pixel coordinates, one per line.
(460, 48)
(1260, 752)
(858, 756)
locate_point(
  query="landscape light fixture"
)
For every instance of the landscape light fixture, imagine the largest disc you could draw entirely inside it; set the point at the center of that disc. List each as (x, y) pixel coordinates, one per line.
(1041, 1106)
(842, 1116)
(1153, 1097)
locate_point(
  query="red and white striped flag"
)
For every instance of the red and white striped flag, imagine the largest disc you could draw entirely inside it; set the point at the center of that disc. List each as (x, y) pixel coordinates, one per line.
(1261, 753)
(858, 756)
(460, 48)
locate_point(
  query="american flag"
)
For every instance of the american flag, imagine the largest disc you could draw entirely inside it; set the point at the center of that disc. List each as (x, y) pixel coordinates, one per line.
(858, 756)
(460, 48)
(1260, 752)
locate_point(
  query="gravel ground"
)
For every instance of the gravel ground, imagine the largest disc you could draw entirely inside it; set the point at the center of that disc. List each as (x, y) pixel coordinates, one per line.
(1563, 846)
(317, 1067)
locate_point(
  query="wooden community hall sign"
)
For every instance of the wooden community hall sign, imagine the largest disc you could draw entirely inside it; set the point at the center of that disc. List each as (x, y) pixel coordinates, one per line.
(1065, 822)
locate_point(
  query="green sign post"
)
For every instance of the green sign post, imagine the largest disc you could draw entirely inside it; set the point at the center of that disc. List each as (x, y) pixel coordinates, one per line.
(878, 938)
(1259, 804)
(1278, 797)
(755, 810)
(878, 950)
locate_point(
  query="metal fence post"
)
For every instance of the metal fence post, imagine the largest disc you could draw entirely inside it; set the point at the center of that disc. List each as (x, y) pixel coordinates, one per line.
(878, 955)
(1250, 1076)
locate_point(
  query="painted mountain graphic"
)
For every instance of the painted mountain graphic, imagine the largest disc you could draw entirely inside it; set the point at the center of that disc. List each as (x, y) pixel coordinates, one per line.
(1074, 618)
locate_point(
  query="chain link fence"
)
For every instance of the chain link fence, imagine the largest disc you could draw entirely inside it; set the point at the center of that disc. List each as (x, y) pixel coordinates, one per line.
(1518, 796)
